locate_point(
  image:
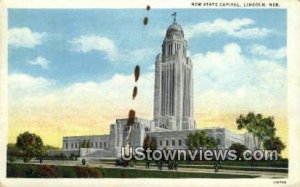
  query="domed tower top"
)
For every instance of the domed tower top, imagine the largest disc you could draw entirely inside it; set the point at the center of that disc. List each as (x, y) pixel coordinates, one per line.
(174, 43)
(174, 30)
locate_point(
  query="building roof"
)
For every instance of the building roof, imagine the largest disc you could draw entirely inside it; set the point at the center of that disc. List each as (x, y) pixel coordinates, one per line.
(174, 28)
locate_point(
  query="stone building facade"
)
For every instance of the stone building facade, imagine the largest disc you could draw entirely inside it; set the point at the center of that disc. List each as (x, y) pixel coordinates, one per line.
(173, 116)
(173, 90)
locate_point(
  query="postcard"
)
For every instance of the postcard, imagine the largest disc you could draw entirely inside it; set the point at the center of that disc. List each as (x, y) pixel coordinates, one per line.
(149, 93)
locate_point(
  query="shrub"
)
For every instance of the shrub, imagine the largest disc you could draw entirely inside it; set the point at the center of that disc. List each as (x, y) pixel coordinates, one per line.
(87, 172)
(13, 170)
(43, 171)
(11, 159)
(83, 161)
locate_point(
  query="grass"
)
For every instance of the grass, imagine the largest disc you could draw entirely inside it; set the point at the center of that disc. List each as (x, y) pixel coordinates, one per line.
(32, 171)
(277, 163)
(133, 173)
(285, 170)
(229, 167)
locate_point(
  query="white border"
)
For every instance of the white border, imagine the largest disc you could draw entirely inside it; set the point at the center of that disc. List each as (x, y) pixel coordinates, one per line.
(293, 7)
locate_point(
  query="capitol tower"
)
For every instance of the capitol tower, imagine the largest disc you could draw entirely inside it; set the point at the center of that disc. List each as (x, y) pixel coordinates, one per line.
(173, 89)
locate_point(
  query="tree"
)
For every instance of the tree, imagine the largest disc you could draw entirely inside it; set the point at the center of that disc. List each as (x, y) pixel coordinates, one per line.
(261, 128)
(274, 143)
(12, 152)
(30, 144)
(201, 139)
(240, 148)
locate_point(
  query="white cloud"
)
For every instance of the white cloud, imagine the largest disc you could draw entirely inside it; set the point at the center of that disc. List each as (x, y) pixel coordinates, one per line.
(241, 28)
(24, 37)
(20, 83)
(40, 61)
(251, 33)
(113, 95)
(230, 80)
(89, 43)
(110, 97)
(263, 51)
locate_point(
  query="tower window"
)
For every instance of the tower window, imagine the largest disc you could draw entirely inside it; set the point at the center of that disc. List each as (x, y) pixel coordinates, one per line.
(167, 142)
(173, 142)
(179, 142)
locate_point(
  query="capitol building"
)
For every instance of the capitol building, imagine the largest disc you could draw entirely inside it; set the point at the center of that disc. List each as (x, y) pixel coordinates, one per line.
(173, 118)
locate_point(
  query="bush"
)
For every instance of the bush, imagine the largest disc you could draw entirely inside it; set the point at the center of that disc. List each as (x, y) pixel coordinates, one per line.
(87, 172)
(11, 159)
(43, 171)
(13, 170)
(83, 161)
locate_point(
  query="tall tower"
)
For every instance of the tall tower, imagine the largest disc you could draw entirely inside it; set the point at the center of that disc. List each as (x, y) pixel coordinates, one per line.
(173, 90)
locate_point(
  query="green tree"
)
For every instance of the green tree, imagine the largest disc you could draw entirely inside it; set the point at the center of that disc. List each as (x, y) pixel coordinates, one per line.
(30, 144)
(261, 128)
(274, 143)
(13, 152)
(240, 148)
(201, 139)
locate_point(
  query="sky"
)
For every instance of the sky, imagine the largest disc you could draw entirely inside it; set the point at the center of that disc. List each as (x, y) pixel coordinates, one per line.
(71, 71)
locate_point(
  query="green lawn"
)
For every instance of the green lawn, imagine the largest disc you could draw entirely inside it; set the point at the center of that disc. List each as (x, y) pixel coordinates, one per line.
(46, 171)
(277, 163)
(133, 173)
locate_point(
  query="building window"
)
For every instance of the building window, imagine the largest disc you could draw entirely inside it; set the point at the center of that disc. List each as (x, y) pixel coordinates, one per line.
(72, 145)
(167, 142)
(96, 144)
(160, 142)
(91, 144)
(104, 144)
(76, 145)
(100, 144)
(179, 142)
(66, 145)
(173, 142)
